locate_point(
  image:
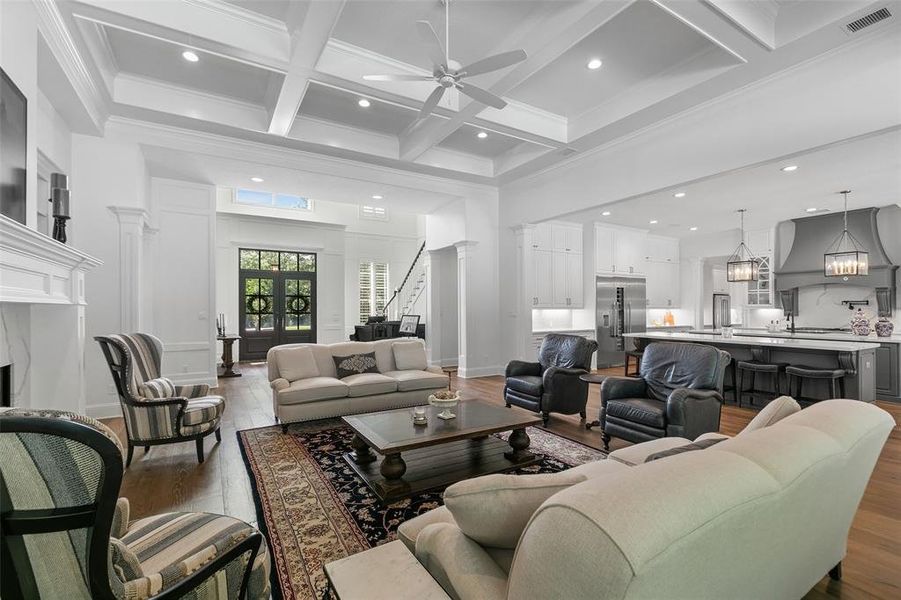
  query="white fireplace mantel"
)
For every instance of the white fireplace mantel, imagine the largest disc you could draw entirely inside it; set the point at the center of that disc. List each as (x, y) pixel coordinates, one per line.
(36, 269)
(42, 317)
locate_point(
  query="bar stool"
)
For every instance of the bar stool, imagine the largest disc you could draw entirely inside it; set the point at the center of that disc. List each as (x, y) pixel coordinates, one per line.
(753, 367)
(732, 386)
(630, 355)
(802, 372)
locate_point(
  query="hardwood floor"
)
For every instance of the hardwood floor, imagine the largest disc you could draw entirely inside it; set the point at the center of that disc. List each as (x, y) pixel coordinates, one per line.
(168, 478)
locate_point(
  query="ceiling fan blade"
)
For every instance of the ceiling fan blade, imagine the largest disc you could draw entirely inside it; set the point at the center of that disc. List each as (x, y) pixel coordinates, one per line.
(430, 39)
(493, 63)
(398, 77)
(480, 95)
(431, 102)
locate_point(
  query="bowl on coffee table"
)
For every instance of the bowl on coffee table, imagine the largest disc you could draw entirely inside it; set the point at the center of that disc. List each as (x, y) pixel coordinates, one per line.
(445, 400)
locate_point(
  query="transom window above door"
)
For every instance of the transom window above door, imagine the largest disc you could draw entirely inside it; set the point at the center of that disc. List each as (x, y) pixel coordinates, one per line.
(277, 260)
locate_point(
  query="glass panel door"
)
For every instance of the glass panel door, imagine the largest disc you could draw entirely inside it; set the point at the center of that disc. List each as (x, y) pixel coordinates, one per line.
(277, 300)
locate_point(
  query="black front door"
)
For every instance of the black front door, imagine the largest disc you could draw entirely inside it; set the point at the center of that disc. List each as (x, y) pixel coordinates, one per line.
(277, 300)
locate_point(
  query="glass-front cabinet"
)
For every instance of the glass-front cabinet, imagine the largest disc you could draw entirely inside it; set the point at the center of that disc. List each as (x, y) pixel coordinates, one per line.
(760, 292)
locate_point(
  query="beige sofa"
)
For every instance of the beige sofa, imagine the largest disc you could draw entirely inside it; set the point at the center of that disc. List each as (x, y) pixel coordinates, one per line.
(763, 515)
(305, 386)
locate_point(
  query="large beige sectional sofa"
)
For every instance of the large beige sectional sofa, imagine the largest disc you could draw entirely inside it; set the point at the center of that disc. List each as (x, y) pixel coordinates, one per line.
(765, 514)
(305, 383)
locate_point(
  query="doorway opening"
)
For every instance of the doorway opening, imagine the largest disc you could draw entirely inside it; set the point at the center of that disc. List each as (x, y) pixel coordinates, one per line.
(277, 299)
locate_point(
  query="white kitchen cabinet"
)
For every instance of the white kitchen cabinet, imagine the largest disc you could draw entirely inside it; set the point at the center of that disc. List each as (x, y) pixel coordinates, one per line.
(619, 250)
(662, 280)
(556, 272)
(566, 237)
(760, 293)
(604, 240)
(542, 237)
(575, 282)
(662, 271)
(560, 275)
(543, 269)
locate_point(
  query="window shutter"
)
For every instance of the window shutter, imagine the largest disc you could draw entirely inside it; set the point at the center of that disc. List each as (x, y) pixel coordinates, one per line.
(373, 289)
(365, 291)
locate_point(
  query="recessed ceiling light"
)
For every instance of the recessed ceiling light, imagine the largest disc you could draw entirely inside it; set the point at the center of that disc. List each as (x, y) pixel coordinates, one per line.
(790, 168)
(376, 197)
(257, 179)
(606, 213)
(653, 221)
(190, 56)
(679, 195)
(692, 228)
(594, 63)
(363, 102)
(811, 209)
(482, 135)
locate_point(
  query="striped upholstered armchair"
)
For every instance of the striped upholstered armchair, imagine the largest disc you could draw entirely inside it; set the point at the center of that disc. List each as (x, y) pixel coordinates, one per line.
(157, 411)
(66, 534)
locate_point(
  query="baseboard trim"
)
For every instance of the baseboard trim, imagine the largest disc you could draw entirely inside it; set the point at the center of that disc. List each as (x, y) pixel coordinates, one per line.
(480, 372)
(104, 411)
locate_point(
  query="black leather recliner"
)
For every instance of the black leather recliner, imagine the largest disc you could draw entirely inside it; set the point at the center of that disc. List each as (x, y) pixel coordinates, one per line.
(552, 384)
(678, 393)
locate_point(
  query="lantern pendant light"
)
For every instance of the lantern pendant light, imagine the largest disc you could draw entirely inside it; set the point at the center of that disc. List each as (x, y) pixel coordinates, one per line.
(742, 265)
(846, 257)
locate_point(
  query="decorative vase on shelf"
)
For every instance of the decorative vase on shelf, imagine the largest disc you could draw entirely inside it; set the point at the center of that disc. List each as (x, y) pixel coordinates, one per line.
(884, 327)
(860, 324)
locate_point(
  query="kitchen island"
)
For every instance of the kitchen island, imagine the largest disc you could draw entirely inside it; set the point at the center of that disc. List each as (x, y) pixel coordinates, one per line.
(858, 358)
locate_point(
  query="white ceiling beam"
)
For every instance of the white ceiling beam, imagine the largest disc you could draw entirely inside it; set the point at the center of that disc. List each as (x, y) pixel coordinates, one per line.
(757, 18)
(195, 26)
(311, 23)
(730, 31)
(544, 43)
(64, 48)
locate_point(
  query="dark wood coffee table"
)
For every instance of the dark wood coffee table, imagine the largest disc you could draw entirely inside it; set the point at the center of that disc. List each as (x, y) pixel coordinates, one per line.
(439, 453)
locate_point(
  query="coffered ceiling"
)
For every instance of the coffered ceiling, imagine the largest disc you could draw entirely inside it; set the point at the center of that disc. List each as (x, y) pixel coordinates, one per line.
(291, 73)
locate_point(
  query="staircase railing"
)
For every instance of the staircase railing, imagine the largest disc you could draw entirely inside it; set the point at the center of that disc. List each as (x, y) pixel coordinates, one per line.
(403, 283)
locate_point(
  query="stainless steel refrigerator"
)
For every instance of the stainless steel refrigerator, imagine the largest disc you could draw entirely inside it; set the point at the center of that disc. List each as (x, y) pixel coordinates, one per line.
(621, 308)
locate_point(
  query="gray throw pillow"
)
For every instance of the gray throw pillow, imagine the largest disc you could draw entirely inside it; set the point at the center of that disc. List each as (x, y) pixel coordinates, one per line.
(687, 448)
(355, 364)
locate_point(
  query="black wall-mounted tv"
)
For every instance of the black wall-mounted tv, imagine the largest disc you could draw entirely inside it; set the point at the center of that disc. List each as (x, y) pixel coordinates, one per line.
(13, 149)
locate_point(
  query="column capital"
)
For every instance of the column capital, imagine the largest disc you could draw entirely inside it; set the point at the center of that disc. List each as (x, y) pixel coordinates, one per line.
(464, 247)
(130, 215)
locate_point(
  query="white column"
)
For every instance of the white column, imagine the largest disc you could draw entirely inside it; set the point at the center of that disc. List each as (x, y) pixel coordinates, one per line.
(132, 225)
(464, 258)
(525, 285)
(433, 334)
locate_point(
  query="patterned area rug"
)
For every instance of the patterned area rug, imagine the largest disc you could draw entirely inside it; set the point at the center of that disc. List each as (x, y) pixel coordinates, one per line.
(314, 509)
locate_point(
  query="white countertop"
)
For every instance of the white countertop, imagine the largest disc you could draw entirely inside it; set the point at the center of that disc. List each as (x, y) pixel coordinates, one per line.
(788, 343)
(838, 336)
(559, 330)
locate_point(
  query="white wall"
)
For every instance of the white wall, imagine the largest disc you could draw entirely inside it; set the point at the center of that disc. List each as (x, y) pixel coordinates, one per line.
(396, 251)
(105, 173)
(339, 253)
(471, 225)
(445, 351)
(182, 292)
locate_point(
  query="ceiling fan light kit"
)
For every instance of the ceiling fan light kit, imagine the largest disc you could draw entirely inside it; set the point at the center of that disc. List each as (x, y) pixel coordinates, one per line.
(449, 73)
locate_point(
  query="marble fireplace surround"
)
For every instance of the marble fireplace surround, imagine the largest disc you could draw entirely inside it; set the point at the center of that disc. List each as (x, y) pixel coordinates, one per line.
(42, 308)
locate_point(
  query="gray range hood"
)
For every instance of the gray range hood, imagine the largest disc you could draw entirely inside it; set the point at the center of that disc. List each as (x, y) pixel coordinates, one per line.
(804, 265)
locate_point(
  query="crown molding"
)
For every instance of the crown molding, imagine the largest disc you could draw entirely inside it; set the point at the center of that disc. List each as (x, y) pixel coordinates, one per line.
(241, 14)
(56, 34)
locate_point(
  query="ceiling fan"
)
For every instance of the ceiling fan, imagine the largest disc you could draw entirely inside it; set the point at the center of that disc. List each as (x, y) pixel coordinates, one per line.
(448, 73)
